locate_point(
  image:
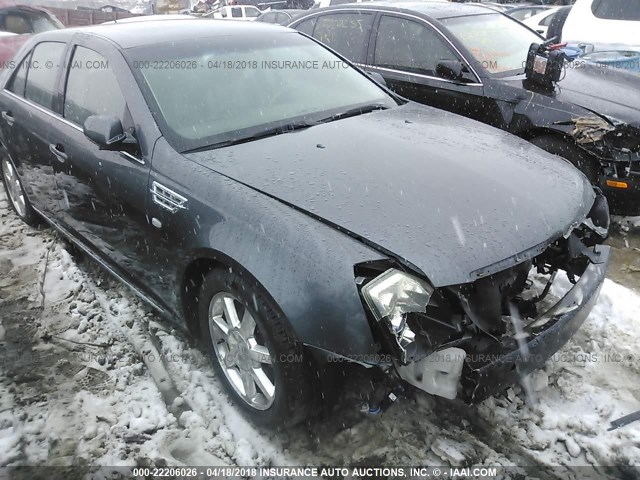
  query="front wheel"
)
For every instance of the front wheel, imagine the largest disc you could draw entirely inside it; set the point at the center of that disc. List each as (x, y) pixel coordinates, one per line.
(17, 198)
(262, 368)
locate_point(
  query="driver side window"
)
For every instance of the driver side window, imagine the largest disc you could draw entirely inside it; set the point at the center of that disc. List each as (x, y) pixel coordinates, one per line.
(409, 46)
(92, 88)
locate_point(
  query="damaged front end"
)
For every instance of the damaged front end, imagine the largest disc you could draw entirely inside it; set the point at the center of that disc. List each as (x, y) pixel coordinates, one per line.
(474, 340)
(616, 146)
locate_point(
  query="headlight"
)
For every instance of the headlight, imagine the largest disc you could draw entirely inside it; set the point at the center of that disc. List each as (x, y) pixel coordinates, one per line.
(395, 293)
(390, 297)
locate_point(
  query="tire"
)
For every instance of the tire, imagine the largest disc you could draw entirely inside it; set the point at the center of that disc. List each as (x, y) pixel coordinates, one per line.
(289, 373)
(565, 149)
(15, 193)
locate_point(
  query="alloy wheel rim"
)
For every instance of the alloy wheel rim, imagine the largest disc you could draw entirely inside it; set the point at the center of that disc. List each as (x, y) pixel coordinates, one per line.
(241, 351)
(14, 189)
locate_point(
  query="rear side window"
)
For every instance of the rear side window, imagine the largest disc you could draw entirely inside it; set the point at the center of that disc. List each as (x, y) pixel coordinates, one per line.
(92, 88)
(409, 46)
(616, 9)
(236, 12)
(347, 33)
(42, 74)
(19, 80)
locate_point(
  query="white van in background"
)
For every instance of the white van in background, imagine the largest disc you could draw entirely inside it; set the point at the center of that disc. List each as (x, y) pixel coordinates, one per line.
(235, 12)
(604, 25)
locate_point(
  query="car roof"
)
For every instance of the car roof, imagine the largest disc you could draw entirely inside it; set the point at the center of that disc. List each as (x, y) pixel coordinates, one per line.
(529, 7)
(155, 32)
(285, 10)
(434, 9)
(149, 18)
(22, 8)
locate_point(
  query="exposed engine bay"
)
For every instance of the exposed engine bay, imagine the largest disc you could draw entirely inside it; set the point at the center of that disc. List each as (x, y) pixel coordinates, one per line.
(615, 144)
(458, 344)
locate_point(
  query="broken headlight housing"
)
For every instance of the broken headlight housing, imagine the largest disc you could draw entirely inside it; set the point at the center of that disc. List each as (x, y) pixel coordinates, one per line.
(391, 296)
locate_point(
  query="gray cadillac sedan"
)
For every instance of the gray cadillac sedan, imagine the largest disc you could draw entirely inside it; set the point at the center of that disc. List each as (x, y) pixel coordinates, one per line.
(325, 221)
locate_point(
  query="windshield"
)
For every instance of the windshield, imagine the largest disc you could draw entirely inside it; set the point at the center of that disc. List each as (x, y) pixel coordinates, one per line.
(225, 89)
(498, 43)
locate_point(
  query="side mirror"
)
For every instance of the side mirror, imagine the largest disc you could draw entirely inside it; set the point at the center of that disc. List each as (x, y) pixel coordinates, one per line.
(450, 69)
(376, 77)
(105, 130)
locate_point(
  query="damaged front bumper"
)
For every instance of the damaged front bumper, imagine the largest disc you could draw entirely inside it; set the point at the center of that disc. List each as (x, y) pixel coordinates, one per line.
(475, 339)
(474, 376)
(483, 377)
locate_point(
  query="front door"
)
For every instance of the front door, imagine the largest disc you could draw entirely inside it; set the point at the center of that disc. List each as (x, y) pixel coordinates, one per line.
(105, 190)
(406, 52)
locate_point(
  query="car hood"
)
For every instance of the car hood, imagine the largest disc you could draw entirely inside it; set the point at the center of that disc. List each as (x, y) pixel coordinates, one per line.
(604, 90)
(444, 194)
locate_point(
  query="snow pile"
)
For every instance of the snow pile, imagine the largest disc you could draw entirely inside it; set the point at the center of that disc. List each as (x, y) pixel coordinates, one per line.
(589, 383)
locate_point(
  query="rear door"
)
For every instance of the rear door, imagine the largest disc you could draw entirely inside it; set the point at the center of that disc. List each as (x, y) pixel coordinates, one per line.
(28, 107)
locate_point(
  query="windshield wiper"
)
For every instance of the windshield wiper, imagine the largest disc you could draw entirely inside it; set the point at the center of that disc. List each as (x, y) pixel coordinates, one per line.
(352, 112)
(268, 132)
(291, 127)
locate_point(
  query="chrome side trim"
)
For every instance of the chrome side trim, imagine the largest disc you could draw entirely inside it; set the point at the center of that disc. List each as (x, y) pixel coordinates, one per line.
(102, 263)
(42, 109)
(133, 157)
(167, 198)
(420, 75)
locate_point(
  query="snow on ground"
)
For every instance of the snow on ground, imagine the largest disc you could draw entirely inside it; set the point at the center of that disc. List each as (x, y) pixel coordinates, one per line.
(89, 375)
(627, 224)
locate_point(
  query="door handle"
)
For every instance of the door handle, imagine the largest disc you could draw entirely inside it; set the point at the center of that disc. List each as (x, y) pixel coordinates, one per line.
(8, 117)
(58, 151)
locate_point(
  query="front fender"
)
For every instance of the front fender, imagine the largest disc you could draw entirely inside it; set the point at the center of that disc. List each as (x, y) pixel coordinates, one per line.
(525, 109)
(306, 266)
